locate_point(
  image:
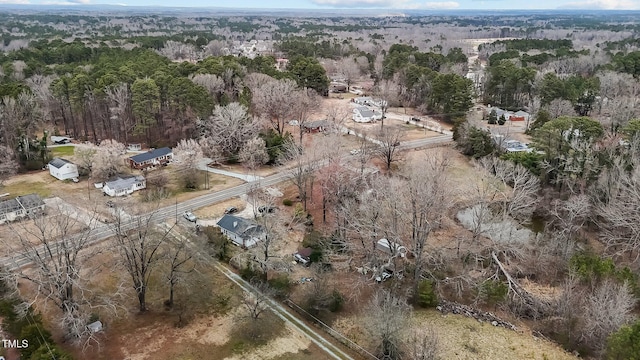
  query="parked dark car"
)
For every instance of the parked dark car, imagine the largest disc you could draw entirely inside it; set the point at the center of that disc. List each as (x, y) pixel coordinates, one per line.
(231, 210)
(266, 209)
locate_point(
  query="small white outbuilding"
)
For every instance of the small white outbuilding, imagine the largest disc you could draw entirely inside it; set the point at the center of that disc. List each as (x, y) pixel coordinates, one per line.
(62, 169)
(391, 248)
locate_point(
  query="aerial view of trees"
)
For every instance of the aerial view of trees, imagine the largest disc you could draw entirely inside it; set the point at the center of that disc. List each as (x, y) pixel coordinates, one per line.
(377, 170)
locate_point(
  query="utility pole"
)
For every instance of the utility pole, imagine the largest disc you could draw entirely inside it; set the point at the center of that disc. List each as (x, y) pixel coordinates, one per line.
(176, 210)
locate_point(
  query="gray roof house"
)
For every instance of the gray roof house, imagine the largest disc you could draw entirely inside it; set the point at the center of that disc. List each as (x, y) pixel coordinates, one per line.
(316, 126)
(20, 207)
(241, 232)
(151, 158)
(124, 185)
(363, 114)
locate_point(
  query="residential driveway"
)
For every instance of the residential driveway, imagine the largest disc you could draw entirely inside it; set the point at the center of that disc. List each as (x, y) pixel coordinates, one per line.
(74, 212)
(247, 213)
(248, 178)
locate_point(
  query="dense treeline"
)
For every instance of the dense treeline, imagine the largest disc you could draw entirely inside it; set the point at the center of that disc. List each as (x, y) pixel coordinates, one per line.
(312, 47)
(539, 44)
(113, 93)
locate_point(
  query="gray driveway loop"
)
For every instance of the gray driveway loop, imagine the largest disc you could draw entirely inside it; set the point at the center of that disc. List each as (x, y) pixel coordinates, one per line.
(202, 165)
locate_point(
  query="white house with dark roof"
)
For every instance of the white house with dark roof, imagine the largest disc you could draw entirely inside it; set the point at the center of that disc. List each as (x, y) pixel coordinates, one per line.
(124, 185)
(362, 114)
(62, 169)
(20, 208)
(151, 158)
(241, 232)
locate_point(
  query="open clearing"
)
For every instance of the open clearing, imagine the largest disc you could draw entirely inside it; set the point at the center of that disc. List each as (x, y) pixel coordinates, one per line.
(460, 337)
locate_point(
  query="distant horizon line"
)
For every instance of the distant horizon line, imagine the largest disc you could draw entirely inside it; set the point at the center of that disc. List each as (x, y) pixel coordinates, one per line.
(124, 6)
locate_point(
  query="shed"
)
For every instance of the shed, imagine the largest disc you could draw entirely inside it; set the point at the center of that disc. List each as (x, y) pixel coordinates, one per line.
(391, 248)
(95, 326)
(63, 169)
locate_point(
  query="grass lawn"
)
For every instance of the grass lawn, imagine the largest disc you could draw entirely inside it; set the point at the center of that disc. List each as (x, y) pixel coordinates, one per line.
(27, 187)
(61, 151)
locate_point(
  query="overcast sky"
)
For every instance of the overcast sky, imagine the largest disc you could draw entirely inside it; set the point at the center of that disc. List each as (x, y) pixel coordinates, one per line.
(379, 4)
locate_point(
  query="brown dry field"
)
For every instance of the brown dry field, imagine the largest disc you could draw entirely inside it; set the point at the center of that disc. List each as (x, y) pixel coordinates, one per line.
(461, 337)
(154, 334)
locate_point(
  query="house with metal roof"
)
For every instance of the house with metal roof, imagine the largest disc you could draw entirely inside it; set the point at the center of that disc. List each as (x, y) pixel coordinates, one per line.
(63, 169)
(151, 158)
(242, 232)
(20, 208)
(124, 185)
(316, 126)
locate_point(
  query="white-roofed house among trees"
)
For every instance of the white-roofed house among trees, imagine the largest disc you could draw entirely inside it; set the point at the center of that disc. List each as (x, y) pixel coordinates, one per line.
(362, 114)
(62, 169)
(124, 185)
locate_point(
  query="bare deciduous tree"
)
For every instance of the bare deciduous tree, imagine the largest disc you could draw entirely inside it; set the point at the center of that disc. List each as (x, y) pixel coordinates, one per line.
(178, 255)
(214, 48)
(188, 156)
(388, 141)
(304, 164)
(57, 245)
(568, 219)
(385, 319)
(559, 107)
(107, 160)
(277, 100)
(8, 164)
(349, 69)
(256, 301)
(423, 345)
(254, 153)
(522, 199)
(139, 243)
(387, 91)
(213, 83)
(621, 215)
(609, 307)
(228, 129)
(84, 155)
(176, 50)
(119, 97)
(306, 102)
(429, 197)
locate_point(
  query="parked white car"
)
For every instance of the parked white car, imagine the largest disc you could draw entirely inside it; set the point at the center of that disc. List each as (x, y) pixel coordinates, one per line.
(189, 216)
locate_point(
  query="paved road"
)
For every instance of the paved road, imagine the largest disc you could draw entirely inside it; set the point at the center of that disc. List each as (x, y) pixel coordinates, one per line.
(17, 261)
